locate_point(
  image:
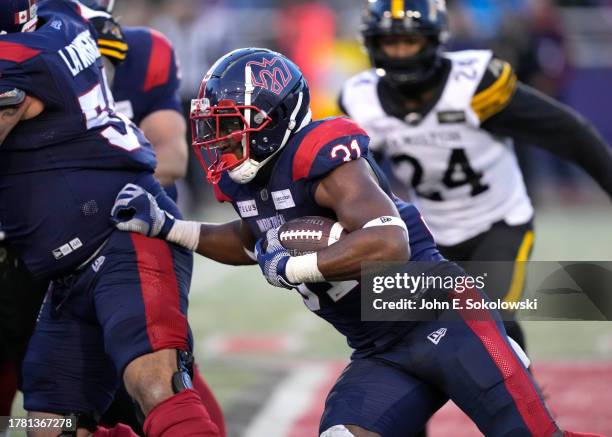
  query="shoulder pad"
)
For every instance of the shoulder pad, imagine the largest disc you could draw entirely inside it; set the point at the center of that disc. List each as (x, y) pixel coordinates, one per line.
(359, 92)
(160, 61)
(495, 89)
(327, 146)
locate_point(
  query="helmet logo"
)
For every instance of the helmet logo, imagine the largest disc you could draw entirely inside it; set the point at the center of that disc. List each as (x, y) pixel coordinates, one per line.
(271, 74)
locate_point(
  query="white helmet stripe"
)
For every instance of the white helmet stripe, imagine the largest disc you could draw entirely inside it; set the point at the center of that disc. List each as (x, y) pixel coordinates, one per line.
(217, 63)
(248, 94)
(291, 125)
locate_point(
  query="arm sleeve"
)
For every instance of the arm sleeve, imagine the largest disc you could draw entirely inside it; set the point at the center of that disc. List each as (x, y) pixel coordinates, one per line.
(163, 76)
(533, 118)
(166, 96)
(13, 77)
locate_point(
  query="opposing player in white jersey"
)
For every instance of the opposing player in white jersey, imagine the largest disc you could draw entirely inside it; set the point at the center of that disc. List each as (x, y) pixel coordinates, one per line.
(447, 121)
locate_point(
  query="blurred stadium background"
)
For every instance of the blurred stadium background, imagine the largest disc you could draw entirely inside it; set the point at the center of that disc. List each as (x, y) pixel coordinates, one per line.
(268, 359)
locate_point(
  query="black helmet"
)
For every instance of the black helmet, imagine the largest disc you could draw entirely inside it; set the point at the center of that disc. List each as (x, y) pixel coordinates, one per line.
(426, 18)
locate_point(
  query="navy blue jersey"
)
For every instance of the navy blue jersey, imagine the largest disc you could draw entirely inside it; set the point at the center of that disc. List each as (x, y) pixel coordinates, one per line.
(289, 193)
(60, 172)
(148, 80)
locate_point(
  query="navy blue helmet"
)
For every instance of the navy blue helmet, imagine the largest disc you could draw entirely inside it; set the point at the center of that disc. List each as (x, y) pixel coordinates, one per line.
(17, 16)
(387, 18)
(99, 5)
(250, 103)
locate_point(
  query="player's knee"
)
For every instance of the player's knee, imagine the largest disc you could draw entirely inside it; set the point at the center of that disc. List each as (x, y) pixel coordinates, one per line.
(348, 431)
(153, 378)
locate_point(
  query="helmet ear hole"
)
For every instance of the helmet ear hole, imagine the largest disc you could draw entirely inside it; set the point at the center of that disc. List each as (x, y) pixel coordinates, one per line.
(278, 114)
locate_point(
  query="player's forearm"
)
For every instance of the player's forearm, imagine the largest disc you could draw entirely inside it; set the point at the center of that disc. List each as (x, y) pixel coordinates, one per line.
(534, 118)
(343, 260)
(171, 163)
(9, 117)
(166, 129)
(225, 243)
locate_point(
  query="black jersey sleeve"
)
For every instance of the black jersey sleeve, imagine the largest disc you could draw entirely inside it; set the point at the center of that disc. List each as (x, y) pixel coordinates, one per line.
(536, 119)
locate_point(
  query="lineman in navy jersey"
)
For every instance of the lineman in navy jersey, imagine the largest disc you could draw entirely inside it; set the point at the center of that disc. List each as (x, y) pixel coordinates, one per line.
(144, 80)
(63, 148)
(447, 121)
(253, 133)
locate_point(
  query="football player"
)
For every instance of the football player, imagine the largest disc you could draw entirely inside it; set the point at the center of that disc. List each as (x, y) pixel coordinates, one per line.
(447, 121)
(144, 79)
(116, 310)
(253, 133)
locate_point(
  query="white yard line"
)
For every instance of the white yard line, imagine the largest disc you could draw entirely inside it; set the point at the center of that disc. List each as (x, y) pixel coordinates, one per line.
(291, 398)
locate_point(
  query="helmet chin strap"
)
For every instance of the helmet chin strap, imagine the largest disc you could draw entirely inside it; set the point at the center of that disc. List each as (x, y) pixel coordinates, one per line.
(246, 172)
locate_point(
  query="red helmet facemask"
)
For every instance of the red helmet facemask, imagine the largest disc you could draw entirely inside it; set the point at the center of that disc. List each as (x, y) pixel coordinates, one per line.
(221, 134)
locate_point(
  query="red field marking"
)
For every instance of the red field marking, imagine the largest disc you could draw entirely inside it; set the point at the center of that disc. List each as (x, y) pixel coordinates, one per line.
(307, 425)
(578, 394)
(251, 344)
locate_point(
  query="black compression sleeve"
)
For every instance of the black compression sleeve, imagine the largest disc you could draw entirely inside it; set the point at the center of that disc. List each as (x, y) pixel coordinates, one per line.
(534, 118)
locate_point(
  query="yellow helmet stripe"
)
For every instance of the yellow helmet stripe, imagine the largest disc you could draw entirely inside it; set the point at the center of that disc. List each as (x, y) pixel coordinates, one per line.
(398, 8)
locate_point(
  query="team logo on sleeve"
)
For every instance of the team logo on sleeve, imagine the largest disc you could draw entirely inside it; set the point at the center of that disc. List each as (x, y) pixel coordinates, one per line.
(271, 74)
